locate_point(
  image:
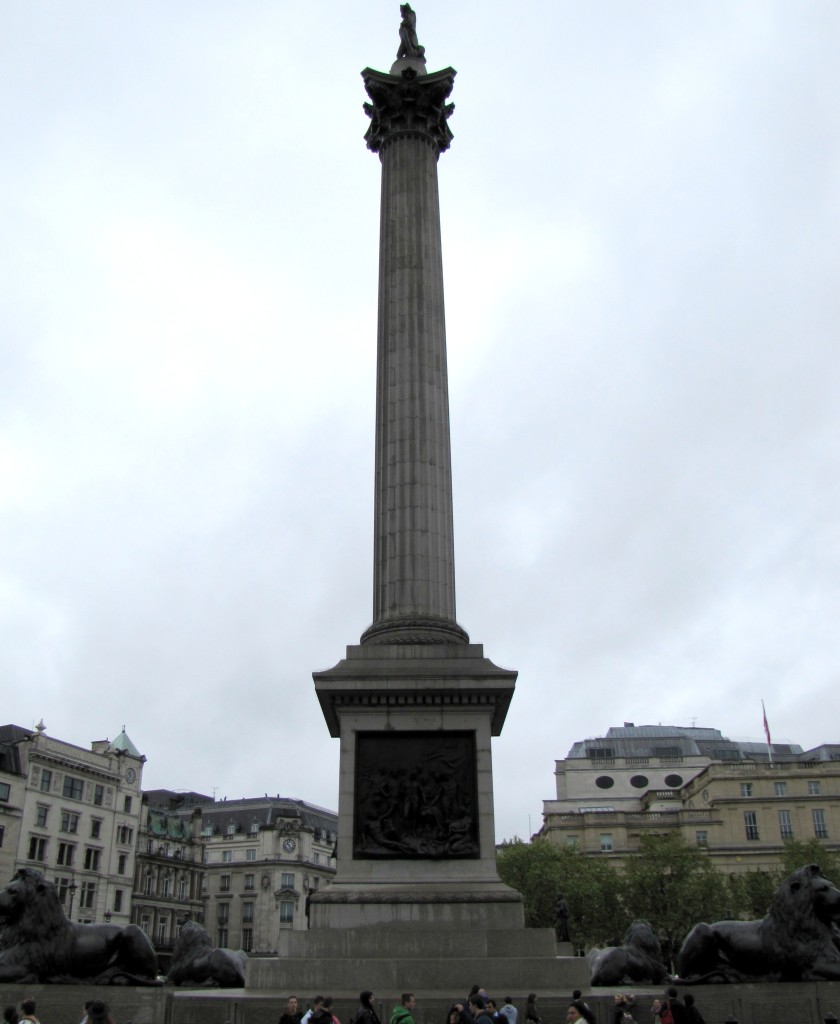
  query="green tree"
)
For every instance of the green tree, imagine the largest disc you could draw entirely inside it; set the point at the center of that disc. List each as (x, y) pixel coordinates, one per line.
(541, 870)
(751, 893)
(798, 853)
(672, 885)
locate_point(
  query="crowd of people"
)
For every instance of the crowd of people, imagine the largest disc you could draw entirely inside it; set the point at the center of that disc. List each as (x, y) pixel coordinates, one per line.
(480, 1008)
(95, 1012)
(477, 1008)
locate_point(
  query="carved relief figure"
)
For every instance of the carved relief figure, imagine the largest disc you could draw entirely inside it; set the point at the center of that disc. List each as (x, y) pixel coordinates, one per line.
(415, 796)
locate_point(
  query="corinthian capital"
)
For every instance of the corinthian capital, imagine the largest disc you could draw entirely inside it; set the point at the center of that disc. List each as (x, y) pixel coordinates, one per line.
(408, 104)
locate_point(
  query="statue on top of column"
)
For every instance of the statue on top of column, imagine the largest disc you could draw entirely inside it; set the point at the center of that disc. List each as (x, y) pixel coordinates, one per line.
(409, 47)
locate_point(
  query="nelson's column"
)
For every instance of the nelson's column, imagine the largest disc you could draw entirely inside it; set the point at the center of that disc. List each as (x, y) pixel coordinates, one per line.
(415, 703)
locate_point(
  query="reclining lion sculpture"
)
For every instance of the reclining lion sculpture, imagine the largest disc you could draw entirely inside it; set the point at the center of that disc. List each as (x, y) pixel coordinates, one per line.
(638, 961)
(39, 944)
(196, 961)
(798, 940)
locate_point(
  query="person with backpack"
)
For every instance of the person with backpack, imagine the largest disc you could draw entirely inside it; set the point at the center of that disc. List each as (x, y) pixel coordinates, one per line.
(670, 1010)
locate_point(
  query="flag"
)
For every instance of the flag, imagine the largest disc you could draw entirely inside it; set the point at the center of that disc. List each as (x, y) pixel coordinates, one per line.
(766, 726)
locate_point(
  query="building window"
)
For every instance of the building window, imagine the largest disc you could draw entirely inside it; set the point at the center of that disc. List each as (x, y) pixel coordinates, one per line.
(182, 888)
(73, 788)
(573, 842)
(316, 857)
(702, 838)
(746, 789)
(231, 829)
(46, 781)
(121, 863)
(118, 898)
(224, 883)
(66, 852)
(2, 833)
(163, 924)
(780, 788)
(751, 825)
(92, 858)
(606, 842)
(785, 825)
(249, 883)
(247, 912)
(223, 915)
(62, 885)
(247, 939)
(820, 830)
(125, 835)
(98, 795)
(95, 828)
(223, 938)
(287, 911)
(165, 887)
(127, 805)
(813, 787)
(287, 880)
(69, 822)
(250, 855)
(145, 923)
(227, 856)
(255, 827)
(41, 815)
(88, 895)
(37, 848)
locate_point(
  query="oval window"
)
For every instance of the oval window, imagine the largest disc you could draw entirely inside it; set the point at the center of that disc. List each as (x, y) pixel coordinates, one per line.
(673, 781)
(639, 781)
(604, 782)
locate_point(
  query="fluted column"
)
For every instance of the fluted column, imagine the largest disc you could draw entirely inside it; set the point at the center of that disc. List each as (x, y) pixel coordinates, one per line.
(414, 562)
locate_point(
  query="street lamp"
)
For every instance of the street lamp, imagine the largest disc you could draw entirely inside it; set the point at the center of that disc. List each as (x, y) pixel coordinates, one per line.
(72, 890)
(107, 916)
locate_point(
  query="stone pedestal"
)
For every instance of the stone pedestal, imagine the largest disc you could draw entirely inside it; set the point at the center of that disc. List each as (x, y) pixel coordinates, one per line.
(416, 834)
(434, 963)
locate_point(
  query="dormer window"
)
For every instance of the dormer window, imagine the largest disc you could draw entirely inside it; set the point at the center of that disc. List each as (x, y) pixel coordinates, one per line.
(231, 829)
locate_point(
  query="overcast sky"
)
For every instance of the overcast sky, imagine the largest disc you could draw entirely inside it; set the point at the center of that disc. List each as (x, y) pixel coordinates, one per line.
(640, 211)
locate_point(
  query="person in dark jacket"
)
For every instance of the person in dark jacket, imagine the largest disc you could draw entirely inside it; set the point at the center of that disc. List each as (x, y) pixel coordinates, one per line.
(531, 1013)
(366, 1014)
(292, 1014)
(478, 1009)
(693, 1014)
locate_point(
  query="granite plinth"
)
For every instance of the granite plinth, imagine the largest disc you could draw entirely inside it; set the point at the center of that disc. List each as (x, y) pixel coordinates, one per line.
(391, 959)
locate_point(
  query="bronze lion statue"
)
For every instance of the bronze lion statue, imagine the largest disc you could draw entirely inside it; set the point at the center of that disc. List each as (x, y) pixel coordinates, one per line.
(798, 940)
(637, 961)
(196, 961)
(39, 944)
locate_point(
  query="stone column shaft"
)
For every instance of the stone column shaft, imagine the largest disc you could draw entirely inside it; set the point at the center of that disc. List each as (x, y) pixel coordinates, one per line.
(414, 557)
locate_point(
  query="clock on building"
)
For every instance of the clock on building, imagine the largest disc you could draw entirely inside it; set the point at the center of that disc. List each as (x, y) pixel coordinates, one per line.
(289, 845)
(130, 775)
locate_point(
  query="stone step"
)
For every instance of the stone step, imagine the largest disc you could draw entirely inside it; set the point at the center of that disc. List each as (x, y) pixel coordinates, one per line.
(404, 942)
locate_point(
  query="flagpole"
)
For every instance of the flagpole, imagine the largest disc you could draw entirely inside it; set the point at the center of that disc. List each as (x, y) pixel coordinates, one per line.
(767, 732)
